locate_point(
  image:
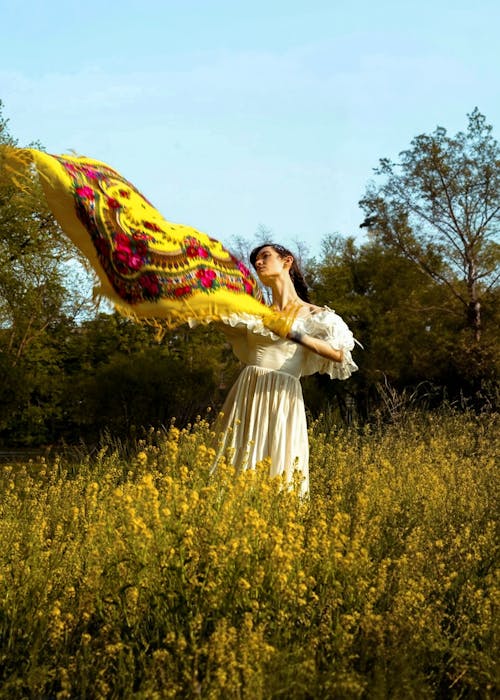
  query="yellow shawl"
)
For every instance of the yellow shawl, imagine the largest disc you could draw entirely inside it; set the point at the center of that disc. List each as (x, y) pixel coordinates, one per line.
(150, 268)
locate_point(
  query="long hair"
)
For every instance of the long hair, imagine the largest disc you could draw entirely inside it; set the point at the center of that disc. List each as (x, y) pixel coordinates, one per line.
(296, 275)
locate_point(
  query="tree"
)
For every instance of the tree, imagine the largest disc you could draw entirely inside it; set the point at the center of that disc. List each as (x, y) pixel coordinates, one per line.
(440, 207)
(40, 275)
(394, 311)
(40, 296)
(410, 333)
(118, 377)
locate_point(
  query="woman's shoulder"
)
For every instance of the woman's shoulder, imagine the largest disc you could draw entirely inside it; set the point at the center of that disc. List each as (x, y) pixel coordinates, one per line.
(317, 313)
(313, 309)
(306, 310)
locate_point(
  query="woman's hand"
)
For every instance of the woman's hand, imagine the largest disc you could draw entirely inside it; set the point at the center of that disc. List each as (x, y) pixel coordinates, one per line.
(320, 347)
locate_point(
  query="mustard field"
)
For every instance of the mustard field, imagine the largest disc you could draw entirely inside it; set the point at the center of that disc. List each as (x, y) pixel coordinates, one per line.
(143, 575)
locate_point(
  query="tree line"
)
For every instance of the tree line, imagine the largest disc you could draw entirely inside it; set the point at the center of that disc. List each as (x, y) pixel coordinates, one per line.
(420, 294)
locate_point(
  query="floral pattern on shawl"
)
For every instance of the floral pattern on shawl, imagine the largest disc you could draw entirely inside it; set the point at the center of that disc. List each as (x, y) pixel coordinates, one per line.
(145, 257)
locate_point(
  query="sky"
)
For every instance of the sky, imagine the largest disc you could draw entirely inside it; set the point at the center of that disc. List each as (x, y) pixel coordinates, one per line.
(236, 116)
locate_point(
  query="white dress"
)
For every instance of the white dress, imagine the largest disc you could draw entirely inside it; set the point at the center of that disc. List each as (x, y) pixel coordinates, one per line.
(264, 415)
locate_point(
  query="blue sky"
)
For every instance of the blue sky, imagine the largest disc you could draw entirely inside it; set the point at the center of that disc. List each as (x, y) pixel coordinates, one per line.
(234, 115)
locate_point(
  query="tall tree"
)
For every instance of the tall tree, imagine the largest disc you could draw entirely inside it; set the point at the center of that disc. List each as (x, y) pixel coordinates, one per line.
(440, 207)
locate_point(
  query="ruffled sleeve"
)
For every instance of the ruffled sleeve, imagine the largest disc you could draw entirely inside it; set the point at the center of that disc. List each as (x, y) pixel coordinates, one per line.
(328, 326)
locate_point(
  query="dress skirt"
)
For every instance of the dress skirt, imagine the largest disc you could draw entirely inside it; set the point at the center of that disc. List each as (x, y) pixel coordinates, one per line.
(264, 417)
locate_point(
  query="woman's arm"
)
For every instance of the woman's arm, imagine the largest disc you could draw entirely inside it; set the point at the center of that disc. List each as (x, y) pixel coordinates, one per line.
(320, 347)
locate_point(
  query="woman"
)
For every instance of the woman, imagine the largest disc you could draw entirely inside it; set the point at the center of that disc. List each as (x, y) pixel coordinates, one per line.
(171, 274)
(264, 415)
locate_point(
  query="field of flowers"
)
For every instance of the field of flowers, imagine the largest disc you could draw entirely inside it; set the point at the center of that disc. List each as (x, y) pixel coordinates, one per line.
(144, 576)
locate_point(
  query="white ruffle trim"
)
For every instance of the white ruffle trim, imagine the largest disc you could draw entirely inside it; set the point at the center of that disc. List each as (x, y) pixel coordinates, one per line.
(324, 324)
(242, 321)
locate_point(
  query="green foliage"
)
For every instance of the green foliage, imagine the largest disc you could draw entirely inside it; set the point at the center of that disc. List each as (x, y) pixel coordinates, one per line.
(132, 388)
(110, 374)
(37, 285)
(152, 577)
(411, 331)
(440, 207)
(39, 299)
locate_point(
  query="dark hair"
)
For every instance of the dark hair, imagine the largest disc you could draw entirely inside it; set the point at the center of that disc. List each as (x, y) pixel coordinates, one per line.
(296, 275)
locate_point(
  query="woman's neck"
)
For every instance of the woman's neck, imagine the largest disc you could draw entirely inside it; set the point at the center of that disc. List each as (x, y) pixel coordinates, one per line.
(284, 294)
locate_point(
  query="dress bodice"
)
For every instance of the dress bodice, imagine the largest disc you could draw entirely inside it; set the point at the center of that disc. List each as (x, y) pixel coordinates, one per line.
(254, 344)
(269, 352)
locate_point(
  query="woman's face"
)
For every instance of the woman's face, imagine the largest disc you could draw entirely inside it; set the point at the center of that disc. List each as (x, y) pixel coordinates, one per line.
(269, 265)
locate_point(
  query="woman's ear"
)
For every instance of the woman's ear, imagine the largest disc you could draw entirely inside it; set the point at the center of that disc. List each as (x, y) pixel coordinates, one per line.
(288, 261)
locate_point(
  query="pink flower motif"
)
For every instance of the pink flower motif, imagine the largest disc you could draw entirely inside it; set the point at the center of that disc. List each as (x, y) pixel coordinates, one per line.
(70, 168)
(204, 272)
(120, 259)
(196, 251)
(135, 261)
(91, 173)
(127, 261)
(122, 242)
(206, 277)
(113, 203)
(243, 268)
(248, 287)
(182, 291)
(85, 192)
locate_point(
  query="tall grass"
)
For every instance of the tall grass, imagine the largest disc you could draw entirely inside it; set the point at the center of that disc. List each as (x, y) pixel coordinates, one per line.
(147, 577)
